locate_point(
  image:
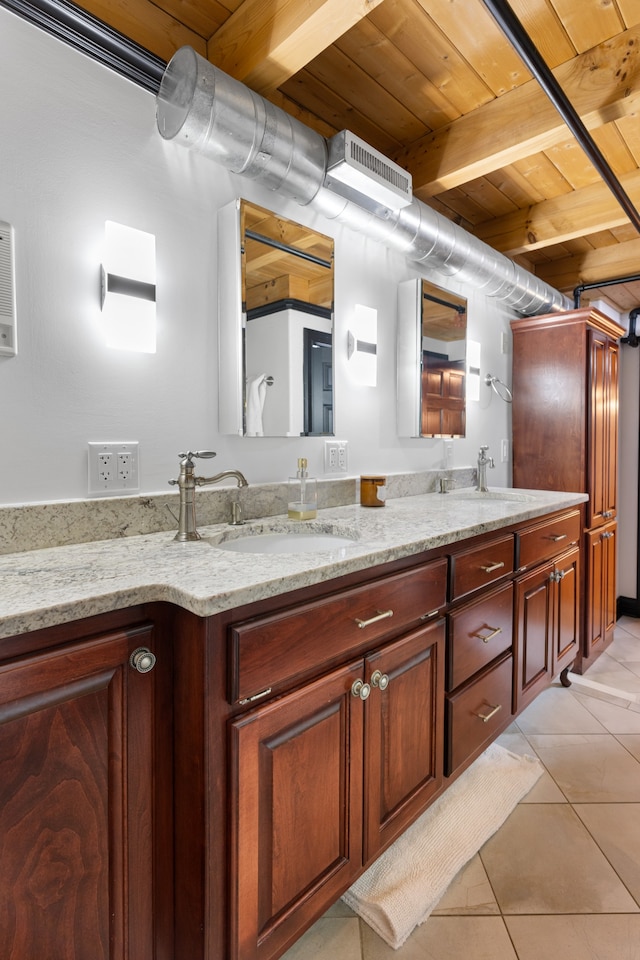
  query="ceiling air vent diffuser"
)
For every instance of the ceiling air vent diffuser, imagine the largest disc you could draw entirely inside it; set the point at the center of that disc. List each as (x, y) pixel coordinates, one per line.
(359, 173)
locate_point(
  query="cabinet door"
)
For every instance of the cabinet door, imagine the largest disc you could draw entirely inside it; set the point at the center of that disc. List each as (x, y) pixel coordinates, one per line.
(609, 536)
(296, 811)
(76, 755)
(566, 633)
(601, 588)
(404, 733)
(533, 640)
(603, 429)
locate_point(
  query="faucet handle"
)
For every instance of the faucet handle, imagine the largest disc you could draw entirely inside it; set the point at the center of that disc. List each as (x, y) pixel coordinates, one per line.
(200, 454)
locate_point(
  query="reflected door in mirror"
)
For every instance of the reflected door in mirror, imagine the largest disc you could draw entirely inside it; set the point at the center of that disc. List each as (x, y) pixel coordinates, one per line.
(443, 396)
(431, 355)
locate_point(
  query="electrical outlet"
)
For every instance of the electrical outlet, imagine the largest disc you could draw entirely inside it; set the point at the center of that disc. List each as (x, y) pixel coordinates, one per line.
(113, 468)
(336, 458)
(105, 467)
(124, 459)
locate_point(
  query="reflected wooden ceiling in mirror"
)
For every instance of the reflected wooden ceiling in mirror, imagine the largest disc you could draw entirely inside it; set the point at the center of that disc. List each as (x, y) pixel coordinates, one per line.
(283, 260)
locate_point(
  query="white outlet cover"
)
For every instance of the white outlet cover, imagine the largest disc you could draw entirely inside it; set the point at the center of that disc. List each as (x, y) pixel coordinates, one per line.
(115, 485)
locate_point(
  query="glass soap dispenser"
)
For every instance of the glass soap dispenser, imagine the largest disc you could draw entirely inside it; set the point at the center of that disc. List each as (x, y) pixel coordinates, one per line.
(303, 494)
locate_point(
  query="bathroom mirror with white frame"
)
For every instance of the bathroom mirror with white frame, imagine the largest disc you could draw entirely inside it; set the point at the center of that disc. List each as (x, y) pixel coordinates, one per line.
(432, 332)
(275, 325)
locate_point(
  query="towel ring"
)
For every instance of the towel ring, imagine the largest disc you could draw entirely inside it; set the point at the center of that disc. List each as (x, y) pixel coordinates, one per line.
(499, 388)
(268, 380)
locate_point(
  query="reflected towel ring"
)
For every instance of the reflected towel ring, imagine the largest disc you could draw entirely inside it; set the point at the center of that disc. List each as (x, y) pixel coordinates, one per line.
(502, 390)
(268, 380)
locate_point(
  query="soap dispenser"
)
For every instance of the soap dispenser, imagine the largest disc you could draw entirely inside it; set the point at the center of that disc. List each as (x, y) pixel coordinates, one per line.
(303, 494)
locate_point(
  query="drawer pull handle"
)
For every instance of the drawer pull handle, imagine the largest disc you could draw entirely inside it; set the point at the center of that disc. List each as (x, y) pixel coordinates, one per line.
(360, 689)
(381, 615)
(557, 537)
(485, 717)
(490, 636)
(379, 679)
(256, 696)
(492, 567)
(432, 613)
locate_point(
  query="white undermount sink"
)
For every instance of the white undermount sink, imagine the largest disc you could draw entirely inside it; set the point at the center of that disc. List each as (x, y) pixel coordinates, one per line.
(296, 538)
(516, 496)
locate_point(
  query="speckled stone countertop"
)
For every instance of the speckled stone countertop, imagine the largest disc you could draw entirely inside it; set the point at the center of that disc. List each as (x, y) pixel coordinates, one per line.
(40, 588)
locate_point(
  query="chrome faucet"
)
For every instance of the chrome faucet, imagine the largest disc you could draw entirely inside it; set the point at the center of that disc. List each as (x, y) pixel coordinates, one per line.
(483, 462)
(187, 482)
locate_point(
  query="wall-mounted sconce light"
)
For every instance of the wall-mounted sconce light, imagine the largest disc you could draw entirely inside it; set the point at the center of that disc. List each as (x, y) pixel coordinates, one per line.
(129, 288)
(473, 370)
(362, 345)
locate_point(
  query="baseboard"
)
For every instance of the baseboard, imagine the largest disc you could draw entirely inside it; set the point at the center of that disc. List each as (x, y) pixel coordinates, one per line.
(627, 607)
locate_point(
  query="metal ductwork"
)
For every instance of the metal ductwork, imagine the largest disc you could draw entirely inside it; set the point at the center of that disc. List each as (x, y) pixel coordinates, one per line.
(205, 109)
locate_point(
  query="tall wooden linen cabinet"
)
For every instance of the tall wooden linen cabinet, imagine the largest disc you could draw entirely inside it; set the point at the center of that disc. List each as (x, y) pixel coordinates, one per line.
(565, 437)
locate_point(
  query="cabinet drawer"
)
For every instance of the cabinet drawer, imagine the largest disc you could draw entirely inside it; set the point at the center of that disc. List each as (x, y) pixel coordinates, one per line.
(270, 651)
(481, 565)
(478, 713)
(547, 539)
(478, 633)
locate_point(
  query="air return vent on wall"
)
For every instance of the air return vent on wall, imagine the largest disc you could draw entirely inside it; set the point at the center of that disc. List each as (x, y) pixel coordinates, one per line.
(7, 296)
(359, 173)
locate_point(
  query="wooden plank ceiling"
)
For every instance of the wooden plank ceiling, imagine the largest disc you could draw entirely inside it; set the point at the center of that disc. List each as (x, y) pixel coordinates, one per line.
(435, 86)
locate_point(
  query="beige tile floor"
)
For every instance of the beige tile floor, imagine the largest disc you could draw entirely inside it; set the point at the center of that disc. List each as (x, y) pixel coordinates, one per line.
(561, 878)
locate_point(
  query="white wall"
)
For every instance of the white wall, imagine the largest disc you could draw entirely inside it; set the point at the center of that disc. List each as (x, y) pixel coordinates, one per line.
(628, 471)
(79, 146)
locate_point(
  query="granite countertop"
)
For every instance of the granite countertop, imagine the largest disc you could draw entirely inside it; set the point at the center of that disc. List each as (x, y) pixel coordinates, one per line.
(41, 588)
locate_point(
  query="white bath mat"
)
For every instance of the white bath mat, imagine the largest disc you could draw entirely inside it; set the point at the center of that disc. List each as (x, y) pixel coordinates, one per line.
(404, 885)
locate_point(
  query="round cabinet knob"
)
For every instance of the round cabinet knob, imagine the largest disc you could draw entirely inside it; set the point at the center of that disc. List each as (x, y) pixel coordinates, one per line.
(379, 679)
(360, 689)
(142, 660)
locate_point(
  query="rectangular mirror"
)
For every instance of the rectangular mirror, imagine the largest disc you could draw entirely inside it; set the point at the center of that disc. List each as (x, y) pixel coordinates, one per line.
(275, 325)
(432, 331)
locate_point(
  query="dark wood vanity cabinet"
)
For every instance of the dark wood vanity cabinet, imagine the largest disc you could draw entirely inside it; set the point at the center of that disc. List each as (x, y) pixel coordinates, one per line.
(479, 649)
(514, 624)
(323, 780)
(216, 806)
(565, 434)
(547, 624)
(326, 776)
(80, 816)
(547, 617)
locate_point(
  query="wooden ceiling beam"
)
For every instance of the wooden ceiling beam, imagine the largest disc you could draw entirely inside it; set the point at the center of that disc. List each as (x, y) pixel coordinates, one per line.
(606, 263)
(265, 42)
(576, 214)
(602, 86)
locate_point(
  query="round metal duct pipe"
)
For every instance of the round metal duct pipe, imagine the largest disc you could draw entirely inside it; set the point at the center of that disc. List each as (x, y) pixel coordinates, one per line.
(203, 108)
